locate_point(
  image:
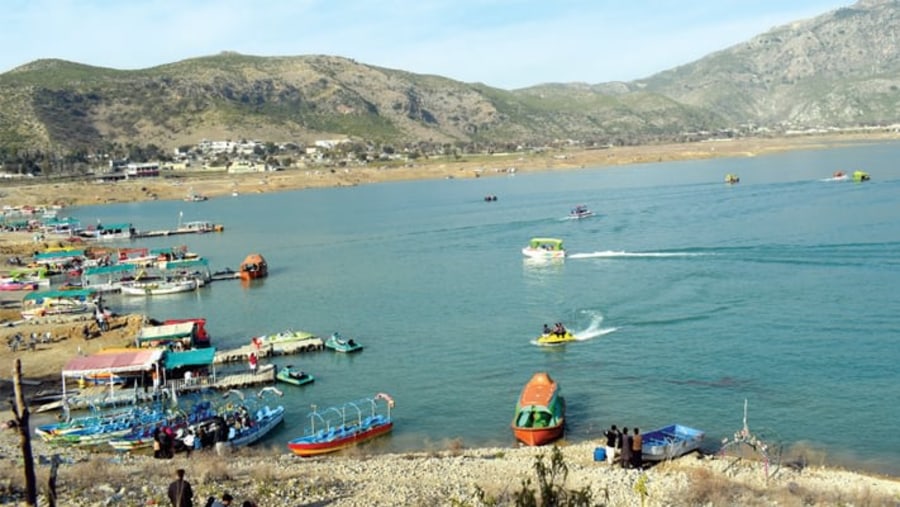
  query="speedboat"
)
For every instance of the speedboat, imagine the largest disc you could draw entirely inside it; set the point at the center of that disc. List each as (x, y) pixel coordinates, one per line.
(555, 339)
(580, 211)
(731, 179)
(545, 248)
(540, 411)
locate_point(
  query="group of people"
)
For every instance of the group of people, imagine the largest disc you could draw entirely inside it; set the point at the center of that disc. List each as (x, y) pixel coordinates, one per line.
(558, 329)
(181, 494)
(624, 448)
(17, 341)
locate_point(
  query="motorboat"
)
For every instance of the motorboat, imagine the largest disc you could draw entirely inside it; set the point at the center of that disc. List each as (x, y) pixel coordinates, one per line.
(253, 267)
(551, 338)
(580, 211)
(341, 427)
(490, 198)
(159, 287)
(291, 375)
(337, 343)
(670, 442)
(540, 411)
(545, 248)
(731, 179)
(859, 176)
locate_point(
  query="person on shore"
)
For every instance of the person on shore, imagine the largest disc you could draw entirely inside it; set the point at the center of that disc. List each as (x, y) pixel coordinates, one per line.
(612, 441)
(180, 492)
(224, 502)
(637, 450)
(625, 449)
(86, 332)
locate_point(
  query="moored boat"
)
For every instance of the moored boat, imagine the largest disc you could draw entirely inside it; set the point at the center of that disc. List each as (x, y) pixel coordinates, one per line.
(58, 302)
(289, 336)
(345, 426)
(545, 248)
(159, 287)
(670, 442)
(540, 411)
(291, 375)
(337, 343)
(253, 267)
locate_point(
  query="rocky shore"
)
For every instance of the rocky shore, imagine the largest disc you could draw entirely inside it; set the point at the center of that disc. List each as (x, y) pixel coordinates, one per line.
(454, 476)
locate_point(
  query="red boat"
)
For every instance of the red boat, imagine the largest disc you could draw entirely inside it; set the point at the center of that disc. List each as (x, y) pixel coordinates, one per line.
(338, 428)
(540, 412)
(253, 267)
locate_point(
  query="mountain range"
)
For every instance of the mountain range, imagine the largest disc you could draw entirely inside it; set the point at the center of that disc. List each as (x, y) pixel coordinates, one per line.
(839, 69)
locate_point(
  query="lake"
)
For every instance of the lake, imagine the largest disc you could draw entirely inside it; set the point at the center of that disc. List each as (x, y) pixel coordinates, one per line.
(692, 296)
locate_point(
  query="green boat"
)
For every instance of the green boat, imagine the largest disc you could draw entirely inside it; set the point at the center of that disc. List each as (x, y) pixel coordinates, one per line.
(291, 375)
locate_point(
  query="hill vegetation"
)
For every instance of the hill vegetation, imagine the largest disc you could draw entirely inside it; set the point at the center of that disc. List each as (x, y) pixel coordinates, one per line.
(838, 70)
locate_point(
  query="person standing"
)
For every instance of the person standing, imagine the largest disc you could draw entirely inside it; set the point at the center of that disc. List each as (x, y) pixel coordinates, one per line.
(252, 360)
(612, 441)
(637, 450)
(180, 492)
(625, 448)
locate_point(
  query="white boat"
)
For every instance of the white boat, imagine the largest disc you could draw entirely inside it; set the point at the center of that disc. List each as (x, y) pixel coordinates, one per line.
(109, 232)
(545, 248)
(580, 211)
(159, 287)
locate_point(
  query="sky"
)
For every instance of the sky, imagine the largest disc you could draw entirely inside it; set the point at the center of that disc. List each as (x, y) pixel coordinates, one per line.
(507, 44)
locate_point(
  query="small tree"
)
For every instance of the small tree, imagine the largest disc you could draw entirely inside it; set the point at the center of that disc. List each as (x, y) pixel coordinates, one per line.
(21, 415)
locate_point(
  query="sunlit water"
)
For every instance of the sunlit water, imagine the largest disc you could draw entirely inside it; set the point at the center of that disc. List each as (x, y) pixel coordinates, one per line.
(688, 296)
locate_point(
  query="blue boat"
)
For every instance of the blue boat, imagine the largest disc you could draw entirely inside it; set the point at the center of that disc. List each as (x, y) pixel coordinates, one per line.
(338, 344)
(670, 442)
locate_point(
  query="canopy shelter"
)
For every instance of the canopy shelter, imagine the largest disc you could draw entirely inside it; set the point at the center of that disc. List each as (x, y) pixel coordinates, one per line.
(112, 361)
(546, 243)
(196, 357)
(79, 294)
(58, 256)
(182, 335)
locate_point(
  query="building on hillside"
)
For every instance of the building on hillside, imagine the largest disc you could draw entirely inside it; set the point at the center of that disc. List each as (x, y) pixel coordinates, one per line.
(144, 170)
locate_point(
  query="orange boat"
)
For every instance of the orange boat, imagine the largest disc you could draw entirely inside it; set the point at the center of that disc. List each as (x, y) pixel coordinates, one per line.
(540, 412)
(253, 267)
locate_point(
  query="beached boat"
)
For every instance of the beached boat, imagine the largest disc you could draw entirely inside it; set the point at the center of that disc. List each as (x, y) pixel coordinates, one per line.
(291, 375)
(540, 411)
(253, 267)
(345, 426)
(670, 442)
(580, 211)
(159, 287)
(266, 419)
(56, 302)
(545, 248)
(13, 285)
(195, 197)
(338, 344)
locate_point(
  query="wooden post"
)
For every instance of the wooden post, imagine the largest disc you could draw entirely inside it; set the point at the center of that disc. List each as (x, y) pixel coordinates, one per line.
(20, 412)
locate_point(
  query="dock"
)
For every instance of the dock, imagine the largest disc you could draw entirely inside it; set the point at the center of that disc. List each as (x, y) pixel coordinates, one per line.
(240, 354)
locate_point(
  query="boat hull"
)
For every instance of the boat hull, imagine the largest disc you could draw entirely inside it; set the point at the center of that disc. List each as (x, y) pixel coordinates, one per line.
(540, 412)
(309, 446)
(670, 442)
(287, 376)
(160, 289)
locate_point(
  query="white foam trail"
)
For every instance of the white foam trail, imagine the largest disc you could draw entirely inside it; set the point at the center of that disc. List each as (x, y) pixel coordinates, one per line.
(612, 254)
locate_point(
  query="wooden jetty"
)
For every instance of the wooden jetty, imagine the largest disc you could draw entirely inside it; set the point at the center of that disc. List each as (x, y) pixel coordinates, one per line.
(273, 350)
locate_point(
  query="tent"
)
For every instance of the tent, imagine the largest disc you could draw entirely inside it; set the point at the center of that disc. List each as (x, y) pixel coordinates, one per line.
(112, 361)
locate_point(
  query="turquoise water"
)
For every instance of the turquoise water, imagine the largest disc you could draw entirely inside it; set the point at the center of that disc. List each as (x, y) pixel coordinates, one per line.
(690, 296)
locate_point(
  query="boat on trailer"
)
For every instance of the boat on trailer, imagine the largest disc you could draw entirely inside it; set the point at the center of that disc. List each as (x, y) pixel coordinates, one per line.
(345, 426)
(670, 442)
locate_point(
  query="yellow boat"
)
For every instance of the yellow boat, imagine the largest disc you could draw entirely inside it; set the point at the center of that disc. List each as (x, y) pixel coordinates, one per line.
(555, 339)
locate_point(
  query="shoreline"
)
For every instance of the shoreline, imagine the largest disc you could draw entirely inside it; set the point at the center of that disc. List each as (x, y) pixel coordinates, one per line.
(216, 184)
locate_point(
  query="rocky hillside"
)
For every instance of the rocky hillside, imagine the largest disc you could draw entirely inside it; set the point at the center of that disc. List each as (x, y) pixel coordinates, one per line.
(839, 69)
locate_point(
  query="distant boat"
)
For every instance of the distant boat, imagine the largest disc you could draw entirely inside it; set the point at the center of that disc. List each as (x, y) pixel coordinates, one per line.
(540, 414)
(580, 211)
(291, 375)
(731, 179)
(545, 248)
(345, 426)
(490, 198)
(860, 176)
(159, 287)
(338, 344)
(194, 197)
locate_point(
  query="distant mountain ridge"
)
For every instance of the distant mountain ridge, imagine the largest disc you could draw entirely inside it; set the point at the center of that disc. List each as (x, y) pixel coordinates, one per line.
(839, 69)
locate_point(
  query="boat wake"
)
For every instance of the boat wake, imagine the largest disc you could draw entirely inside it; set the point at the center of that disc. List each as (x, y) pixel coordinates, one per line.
(837, 178)
(617, 254)
(593, 330)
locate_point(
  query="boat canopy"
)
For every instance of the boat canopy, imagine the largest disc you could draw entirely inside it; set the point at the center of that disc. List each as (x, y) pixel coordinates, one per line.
(105, 270)
(113, 361)
(166, 332)
(549, 243)
(252, 259)
(58, 255)
(187, 263)
(59, 294)
(197, 357)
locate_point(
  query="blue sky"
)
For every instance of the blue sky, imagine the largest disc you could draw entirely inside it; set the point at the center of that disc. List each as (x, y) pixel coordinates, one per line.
(503, 43)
